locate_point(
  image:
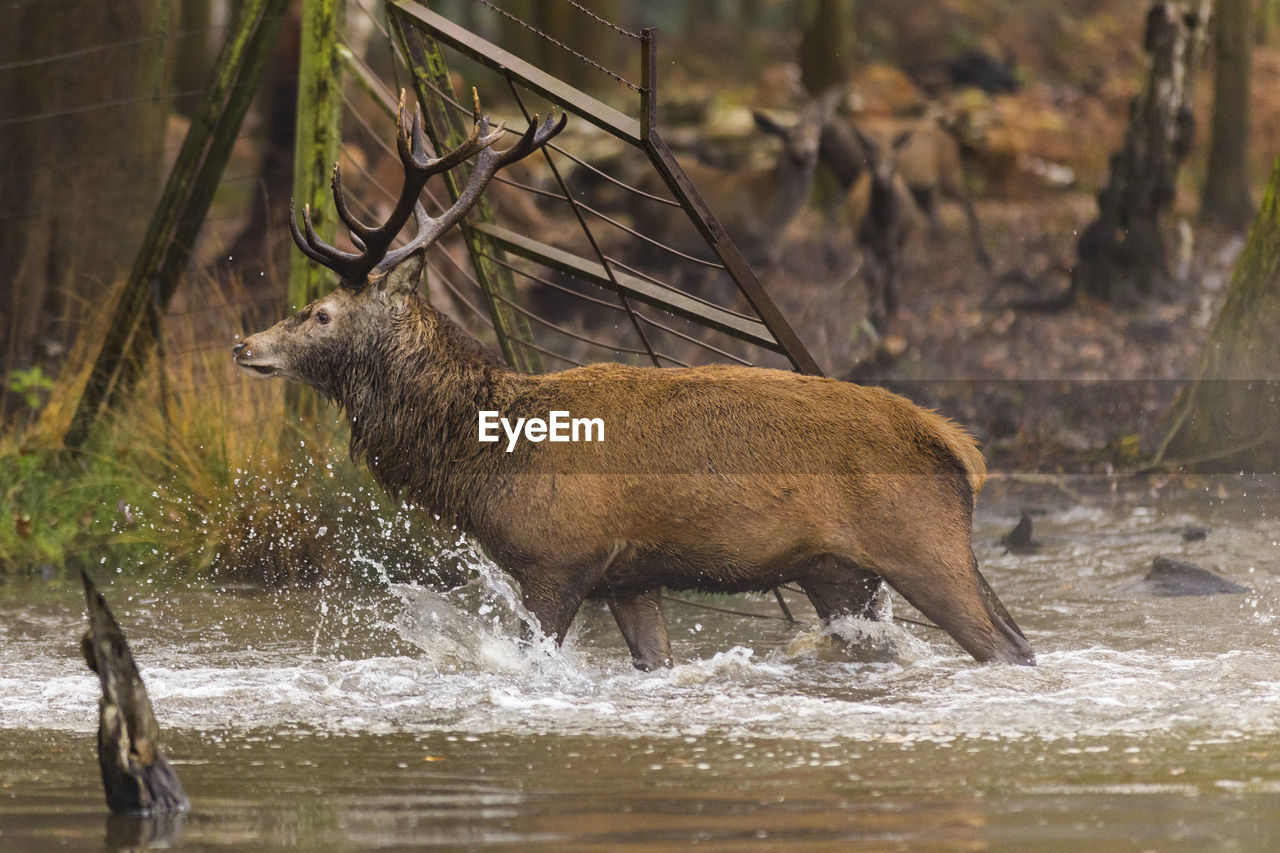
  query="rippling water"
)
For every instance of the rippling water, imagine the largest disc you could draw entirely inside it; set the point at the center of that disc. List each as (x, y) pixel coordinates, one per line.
(1148, 720)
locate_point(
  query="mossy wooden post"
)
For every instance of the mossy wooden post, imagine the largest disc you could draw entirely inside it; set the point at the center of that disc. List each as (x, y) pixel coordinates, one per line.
(446, 130)
(315, 149)
(1230, 416)
(318, 135)
(165, 249)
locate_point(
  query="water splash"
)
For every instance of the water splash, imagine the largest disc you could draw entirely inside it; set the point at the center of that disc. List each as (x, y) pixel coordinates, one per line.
(404, 657)
(481, 625)
(853, 640)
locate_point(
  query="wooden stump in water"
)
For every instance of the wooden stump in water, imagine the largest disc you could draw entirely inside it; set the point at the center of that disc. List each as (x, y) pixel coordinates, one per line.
(137, 778)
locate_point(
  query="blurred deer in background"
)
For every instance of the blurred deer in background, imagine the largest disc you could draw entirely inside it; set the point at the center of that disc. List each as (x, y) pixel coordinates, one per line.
(755, 205)
(881, 211)
(928, 160)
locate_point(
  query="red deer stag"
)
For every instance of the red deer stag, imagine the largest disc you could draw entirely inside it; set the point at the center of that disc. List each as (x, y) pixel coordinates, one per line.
(724, 479)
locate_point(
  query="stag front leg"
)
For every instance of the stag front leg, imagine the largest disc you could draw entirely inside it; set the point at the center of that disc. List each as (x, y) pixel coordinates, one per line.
(553, 598)
(644, 627)
(552, 592)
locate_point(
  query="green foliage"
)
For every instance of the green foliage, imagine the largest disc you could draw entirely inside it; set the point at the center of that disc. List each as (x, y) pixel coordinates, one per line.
(56, 515)
(28, 384)
(179, 501)
(204, 474)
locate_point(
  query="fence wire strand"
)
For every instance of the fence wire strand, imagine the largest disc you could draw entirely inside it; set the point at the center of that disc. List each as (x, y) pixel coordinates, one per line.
(599, 20)
(547, 37)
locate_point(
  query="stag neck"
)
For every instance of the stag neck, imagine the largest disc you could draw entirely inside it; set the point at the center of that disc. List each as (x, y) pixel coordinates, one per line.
(413, 409)
(418, 345)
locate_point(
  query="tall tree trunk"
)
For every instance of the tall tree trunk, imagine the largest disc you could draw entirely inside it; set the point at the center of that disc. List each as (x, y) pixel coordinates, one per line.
(825, 54)
(558, 21)
(1229, 419)
(80, 155)
(1226, 198)
(1268, 12)
(1122, 255)
(264, 242)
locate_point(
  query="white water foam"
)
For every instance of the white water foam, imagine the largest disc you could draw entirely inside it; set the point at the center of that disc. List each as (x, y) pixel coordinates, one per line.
(464, 685)
(1111, 662)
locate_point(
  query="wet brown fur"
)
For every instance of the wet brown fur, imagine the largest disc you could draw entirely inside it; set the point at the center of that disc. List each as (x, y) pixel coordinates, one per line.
(715, 478)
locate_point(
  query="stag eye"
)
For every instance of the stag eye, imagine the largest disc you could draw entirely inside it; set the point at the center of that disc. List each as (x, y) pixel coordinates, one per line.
(323, 318)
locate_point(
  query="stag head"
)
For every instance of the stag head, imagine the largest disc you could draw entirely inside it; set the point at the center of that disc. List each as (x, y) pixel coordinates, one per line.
(377, 284)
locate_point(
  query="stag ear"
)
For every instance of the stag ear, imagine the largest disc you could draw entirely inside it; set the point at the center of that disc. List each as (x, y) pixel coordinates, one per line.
(404, 277)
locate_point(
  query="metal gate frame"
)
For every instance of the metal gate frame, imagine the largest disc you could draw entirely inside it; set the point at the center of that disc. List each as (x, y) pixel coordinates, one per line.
(417, 26)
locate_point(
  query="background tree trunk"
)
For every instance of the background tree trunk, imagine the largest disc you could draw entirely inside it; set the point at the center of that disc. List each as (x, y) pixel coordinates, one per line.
(1122, 255)
(825, 54)
(578, 31)
(1226, 200)
(1268, 12)
(264, 243)
(1230, 416)
(81, 142)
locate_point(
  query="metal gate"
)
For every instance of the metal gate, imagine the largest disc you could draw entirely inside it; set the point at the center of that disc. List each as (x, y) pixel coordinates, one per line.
(655, 318)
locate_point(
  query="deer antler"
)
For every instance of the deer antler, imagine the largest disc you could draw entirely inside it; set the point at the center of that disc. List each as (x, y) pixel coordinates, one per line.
(374, 242)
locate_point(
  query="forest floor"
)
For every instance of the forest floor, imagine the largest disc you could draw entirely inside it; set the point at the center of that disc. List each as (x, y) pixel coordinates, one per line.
(1078, 387)
(1086, 387)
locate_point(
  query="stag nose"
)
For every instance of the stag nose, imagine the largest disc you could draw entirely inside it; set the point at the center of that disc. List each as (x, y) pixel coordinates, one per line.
(237, 349)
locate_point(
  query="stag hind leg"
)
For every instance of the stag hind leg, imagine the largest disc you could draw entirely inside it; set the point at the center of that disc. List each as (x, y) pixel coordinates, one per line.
(945, 585)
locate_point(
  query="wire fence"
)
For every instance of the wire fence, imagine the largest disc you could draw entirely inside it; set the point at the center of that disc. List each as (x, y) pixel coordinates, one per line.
(587, 199)
(586, 196)
(90, 124)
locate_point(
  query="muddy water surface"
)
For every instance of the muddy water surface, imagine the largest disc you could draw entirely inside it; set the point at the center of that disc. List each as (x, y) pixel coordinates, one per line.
(402, 718)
